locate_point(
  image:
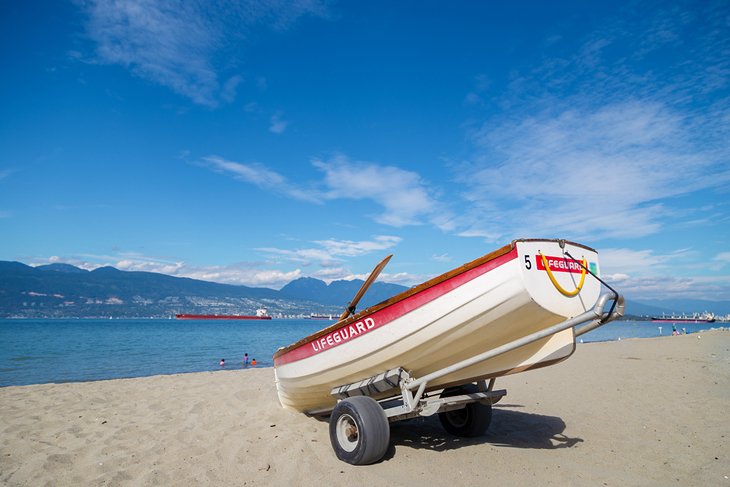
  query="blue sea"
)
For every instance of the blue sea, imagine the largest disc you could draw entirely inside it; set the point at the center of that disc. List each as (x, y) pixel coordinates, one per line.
(41, 351)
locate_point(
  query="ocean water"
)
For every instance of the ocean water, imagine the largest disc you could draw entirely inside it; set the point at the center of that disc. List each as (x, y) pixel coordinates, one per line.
(41, 351)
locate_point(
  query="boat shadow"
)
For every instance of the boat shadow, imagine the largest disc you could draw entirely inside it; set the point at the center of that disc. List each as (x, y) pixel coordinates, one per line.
(509, 429)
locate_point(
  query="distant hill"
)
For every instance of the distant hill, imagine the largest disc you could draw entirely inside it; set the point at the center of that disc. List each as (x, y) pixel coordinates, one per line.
(339, 292)
(62, 290)
(636, 309)
(61, 268)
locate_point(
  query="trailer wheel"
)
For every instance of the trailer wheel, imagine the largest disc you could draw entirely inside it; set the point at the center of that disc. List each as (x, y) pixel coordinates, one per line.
(359, 430)
(470, 421)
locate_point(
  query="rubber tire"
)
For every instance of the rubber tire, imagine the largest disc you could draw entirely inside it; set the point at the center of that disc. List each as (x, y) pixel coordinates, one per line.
(471, 421)
(372, 436)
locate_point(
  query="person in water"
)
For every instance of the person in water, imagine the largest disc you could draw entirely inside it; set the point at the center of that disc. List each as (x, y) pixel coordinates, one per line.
(253, 363)
(223, 362)
(246, 360)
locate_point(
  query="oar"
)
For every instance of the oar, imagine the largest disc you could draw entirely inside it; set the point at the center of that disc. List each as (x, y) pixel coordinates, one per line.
(365, 285)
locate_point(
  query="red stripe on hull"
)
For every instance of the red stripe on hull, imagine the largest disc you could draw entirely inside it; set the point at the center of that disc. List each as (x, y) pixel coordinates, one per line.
(390, 313)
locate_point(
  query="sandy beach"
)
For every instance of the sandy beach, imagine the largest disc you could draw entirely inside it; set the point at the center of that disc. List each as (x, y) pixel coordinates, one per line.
(631, 412)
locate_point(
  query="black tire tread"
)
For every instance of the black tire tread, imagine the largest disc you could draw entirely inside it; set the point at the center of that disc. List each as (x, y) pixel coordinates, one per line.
(372, 424)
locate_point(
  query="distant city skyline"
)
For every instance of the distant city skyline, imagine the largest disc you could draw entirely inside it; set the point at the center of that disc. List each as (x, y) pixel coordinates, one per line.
(258, 142)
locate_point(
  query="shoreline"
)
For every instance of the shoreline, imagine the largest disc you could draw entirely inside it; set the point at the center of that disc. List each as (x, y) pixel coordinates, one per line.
(234, 367)
(634, 412)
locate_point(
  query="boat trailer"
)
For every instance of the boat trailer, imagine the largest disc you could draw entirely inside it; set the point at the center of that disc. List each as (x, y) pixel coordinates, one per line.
(359, 426)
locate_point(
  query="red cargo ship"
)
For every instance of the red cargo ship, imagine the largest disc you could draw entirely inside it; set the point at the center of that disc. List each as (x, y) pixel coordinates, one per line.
(260, 315)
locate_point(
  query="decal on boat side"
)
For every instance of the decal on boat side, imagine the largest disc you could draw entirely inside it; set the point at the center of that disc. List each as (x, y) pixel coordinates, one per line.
(559, 264)
(343, 334)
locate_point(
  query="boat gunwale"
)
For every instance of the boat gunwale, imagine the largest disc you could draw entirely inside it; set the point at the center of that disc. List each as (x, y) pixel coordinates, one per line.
(415, 290)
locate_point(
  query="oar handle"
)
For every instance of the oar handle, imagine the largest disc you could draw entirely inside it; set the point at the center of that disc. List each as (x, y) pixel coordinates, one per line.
(365, 285)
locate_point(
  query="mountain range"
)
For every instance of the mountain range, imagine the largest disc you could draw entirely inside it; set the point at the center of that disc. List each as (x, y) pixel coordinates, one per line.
(62, 290)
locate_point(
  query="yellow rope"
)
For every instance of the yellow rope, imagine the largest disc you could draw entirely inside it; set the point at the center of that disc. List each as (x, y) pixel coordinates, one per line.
(557, 284)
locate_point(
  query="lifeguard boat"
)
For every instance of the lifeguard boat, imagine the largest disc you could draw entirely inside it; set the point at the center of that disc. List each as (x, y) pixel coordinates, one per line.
(508, 311)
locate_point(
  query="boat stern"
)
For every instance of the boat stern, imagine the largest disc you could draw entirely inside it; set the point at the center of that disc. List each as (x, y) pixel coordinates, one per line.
(560, 275)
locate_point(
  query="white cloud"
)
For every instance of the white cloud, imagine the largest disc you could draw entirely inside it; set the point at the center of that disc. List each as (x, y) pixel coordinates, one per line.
(228, 93)
(254, 173)
(277, 125)
(584, 172)
(332, 251)
(714, 288)
(168, 43)
(176, 43)
(260, 175)
(597, 144)
(403, 194)
(626, 262)
(349, 248)
(145, 265)
(720, 261)
(646, 274)
(344, 274)
(271, 278)
(442, 258)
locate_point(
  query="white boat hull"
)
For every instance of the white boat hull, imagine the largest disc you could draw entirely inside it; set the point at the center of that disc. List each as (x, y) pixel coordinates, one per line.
(484, 304)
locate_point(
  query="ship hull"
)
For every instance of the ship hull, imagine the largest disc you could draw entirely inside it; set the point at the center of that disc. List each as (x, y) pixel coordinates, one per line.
(683, 320)
(220, 317)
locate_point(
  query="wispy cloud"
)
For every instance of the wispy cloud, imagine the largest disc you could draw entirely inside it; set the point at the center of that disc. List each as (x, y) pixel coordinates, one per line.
(277, 124)
(711, 288)
(722, 259)
(647, 274)
(244, 275)
(602, 172)
(403, 195)
(349, 248)
(328, 252)
(641, 262)
(598, 144)
(260, 175)
(177, 43)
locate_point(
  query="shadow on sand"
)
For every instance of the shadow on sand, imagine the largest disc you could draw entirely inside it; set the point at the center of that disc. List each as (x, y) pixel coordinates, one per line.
(509, 428)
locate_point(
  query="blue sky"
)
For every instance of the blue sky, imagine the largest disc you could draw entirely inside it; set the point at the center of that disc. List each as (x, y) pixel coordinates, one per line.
(258, 142)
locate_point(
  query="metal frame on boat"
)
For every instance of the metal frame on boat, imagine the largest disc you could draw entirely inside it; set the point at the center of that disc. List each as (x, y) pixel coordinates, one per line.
(362, 442)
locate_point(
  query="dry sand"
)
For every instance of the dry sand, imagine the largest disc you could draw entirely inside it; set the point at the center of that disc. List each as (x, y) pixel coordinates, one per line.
(634, 412)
